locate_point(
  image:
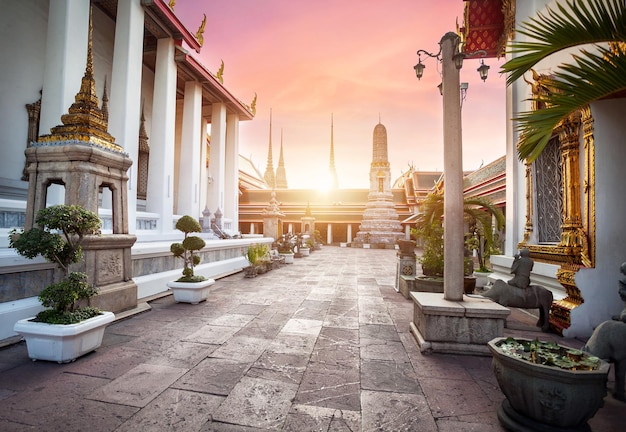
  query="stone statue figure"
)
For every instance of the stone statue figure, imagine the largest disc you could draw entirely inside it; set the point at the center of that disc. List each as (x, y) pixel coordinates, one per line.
(521, 268)
(607, 341)
(518, 292)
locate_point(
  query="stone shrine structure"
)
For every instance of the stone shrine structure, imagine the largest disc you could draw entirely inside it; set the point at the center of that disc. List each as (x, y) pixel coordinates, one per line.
(380, 224)
(83, 159)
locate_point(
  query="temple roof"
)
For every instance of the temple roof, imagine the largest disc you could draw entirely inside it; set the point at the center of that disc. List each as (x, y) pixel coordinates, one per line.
(486, 25)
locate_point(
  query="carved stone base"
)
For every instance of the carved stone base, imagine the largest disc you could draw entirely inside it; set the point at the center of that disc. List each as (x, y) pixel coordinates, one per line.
(116, 297)
(456, 327)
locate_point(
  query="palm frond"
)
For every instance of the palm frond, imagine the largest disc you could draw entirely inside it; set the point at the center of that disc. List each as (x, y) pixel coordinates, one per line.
(592, 77)
(574, 24)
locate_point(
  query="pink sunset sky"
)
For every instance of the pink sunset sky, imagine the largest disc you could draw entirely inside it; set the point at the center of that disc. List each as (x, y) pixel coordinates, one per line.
(306, 59)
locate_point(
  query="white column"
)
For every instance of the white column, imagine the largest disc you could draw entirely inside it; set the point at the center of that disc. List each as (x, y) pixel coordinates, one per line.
(329, 234)
(66, 58)
(204, 169)
(218, 156)
(231, 171)
(190, 150)
(160, 196)
(125, 98)
(251, 227)
(290, 228)
(349, 234)
(452, 171)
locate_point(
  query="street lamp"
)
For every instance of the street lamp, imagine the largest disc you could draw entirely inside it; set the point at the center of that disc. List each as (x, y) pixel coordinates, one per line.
(451, 56)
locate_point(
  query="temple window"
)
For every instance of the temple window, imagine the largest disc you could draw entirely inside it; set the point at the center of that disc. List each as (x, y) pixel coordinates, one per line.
(549, 197)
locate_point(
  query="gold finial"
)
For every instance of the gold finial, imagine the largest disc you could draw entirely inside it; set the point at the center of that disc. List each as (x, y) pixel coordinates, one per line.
(200, 32)
(171, 4)
(84, 121)
(220, 73)
(105, 103)
(253, 105)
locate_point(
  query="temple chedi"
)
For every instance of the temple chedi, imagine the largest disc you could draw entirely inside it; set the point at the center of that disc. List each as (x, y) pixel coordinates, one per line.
(380, 225)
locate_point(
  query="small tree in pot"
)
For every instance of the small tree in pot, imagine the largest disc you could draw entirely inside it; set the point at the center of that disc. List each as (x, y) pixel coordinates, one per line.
(69, 328)
(186, 250)
(57, 237)
(189, 288)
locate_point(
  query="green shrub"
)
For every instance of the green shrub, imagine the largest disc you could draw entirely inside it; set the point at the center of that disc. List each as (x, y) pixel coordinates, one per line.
(186, 250)
(57, 237)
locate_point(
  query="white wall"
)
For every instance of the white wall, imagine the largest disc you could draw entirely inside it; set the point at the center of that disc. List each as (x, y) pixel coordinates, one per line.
(599, 285)
(23, 29)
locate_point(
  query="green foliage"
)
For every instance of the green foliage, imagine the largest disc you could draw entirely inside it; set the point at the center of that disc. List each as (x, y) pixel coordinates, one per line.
(257, 252)
(592, 75)
(52, 316)
(64, 248)
(285, 243)
(57, 237)
(549, 354)
(186, 249)
(187, 224)
(479, 213)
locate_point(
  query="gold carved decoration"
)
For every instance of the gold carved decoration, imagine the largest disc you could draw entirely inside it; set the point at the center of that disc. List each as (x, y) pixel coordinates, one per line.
(220, 73)
(508, 33)
(171, 4)
(34, 111)
(253, 105)
(200, 32)
(576, 248)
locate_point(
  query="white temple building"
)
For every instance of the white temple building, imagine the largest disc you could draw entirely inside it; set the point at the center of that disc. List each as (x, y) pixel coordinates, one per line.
(159, 101)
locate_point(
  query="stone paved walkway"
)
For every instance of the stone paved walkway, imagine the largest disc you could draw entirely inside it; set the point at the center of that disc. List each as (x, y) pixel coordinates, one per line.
(320, 345)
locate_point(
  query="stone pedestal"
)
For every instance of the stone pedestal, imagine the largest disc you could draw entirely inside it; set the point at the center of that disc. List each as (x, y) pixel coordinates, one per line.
(405, 267)
(456, 327)
(406, 286)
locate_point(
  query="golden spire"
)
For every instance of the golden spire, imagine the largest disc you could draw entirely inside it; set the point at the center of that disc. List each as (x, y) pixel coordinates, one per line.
(143, 135)
(269, 169)
(281, 175)
(84, 123)
(105, 103)
(200, 32)
(332, 172)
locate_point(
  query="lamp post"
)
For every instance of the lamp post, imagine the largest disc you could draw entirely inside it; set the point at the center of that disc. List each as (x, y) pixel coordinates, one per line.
(452, 61)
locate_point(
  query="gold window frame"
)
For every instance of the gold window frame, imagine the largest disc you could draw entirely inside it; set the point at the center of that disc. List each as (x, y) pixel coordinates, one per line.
(577, 244)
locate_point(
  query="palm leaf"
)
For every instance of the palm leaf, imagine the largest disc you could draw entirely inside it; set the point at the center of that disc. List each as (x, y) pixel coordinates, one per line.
(574, 25)
(591, 76)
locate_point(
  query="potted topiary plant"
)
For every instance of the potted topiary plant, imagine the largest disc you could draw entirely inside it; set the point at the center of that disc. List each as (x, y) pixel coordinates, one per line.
(548, 387)
(69, 328)
(285, 246)
(189, 288)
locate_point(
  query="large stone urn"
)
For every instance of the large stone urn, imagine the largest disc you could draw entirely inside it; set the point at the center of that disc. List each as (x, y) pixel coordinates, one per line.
(546, 398)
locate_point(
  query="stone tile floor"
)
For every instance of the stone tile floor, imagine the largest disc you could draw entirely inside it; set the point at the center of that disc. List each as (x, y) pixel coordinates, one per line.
(319, 345)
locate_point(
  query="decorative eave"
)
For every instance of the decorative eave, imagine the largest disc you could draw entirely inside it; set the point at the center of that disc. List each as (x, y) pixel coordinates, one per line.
(488, 25)
(212, 89)
(165, 18)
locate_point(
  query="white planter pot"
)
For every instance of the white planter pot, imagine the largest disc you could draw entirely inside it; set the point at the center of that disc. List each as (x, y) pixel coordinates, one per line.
(366, 245)
(190, 292)
(63, 343)
(305, 251)
(288, 257)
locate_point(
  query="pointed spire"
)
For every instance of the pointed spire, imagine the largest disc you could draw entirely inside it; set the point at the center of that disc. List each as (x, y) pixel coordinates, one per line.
(269, 169)
(105, 102)
(332, 172)
(281, 175)
(143, 135)
(84, 122)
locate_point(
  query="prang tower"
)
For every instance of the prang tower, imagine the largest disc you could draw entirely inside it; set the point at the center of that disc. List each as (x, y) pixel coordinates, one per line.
(380, 223)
